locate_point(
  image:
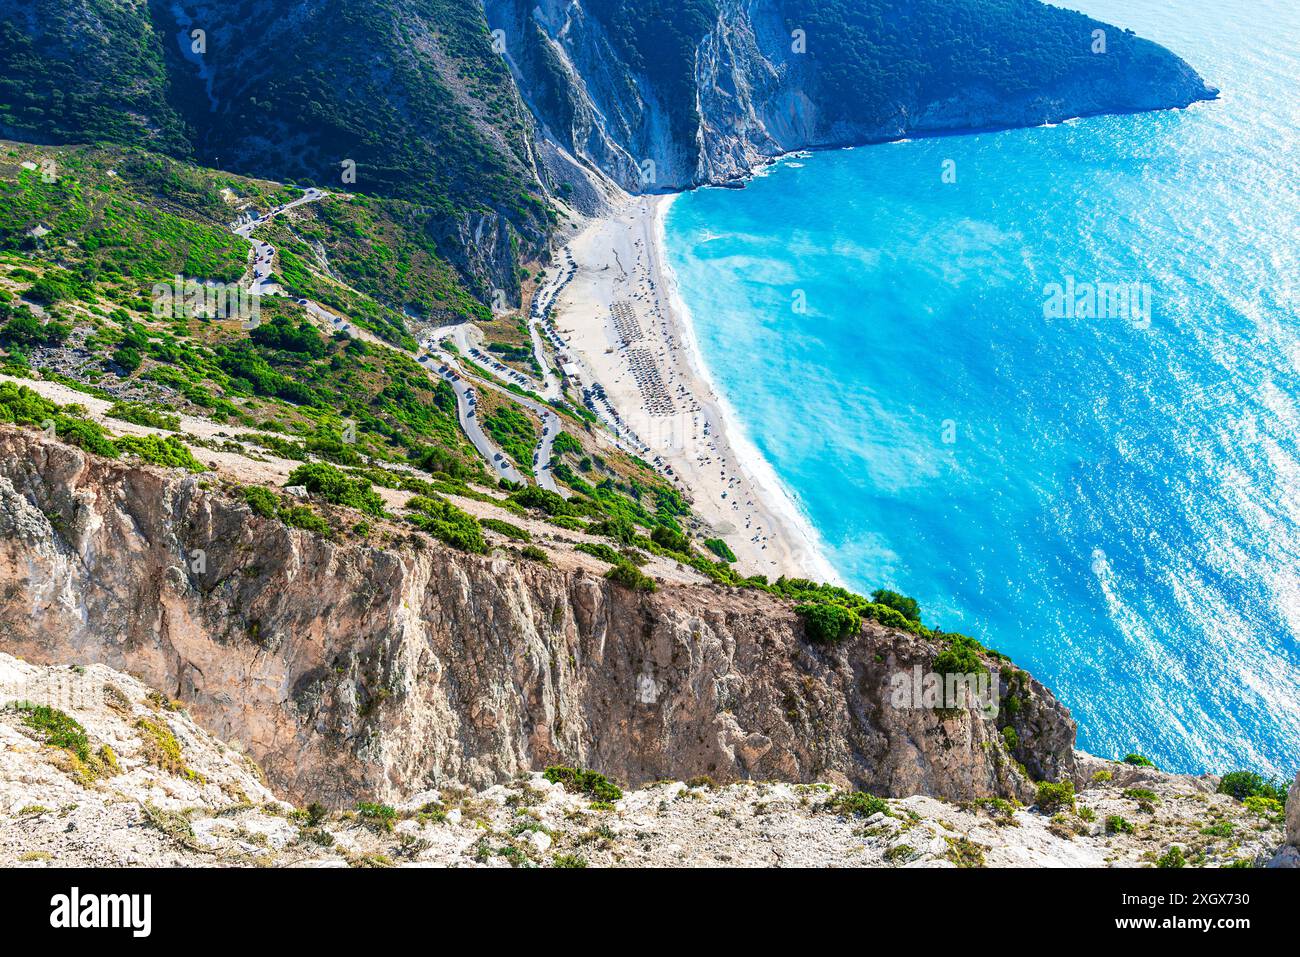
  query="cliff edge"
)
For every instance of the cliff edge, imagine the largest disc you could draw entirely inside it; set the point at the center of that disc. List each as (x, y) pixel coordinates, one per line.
(349, 671)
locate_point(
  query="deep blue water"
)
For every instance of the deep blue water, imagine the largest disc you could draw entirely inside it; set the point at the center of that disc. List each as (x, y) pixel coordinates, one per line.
(1120, 509)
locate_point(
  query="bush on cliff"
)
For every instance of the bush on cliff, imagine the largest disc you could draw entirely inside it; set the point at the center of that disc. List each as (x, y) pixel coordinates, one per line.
(961, 657)
(826, 623)
(381, 817)
(167, 451)
(599, 550)
(629, 576)
(1054, 796)
(858, 804)
(720, 548)
(580, 781)
(1248, 784)
(671, 540)
(261, 500)
(22, 405)
(889, 617)
(1117, 824)
(327, 481)
(447, 523)
(543, 500)
(908, 607)
(58, 729)
(506, 529)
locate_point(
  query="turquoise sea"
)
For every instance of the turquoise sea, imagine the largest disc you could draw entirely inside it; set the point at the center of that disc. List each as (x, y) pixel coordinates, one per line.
(1115, 503)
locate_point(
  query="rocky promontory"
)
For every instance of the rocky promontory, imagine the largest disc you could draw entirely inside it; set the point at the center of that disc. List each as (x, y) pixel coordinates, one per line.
(349, 671)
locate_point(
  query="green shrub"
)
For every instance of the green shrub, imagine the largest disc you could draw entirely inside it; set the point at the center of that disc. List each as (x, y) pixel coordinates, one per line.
(1245, 784)
(141, 414)
(1145, 797)
(825, 623)
(670, 540)
(961, 657)
(580, 781)
(447, 523)
(261, 500)
(1010, 738)
(1118, 825)
(599, 550)
(1054, 796)
(542, 500)
(889, 617)
(325, 480)
(565, 444)
(629, 576)
(1172, 858)
(535, 554)
(506, 529)
(60, 729)
(1265, 807)
(1139, 761)
(858, 804)
(167, 451)
(304, 517)
(379, 816)
(85, 434)
(906, 606)
(618, 528)
(567, 523)
(24, 330)
(127, 358)
(720, 548)
(22, 405)
(55, 286)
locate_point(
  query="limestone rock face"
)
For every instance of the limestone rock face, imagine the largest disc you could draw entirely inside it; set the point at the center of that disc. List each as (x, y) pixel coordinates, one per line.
(756, 98)
(201, 803)
(1293, 814)
(1288, 854)
(348, 671)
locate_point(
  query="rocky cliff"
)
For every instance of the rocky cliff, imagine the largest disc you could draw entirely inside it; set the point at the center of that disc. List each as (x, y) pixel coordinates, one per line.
(353, 672)
(483, 113)
(110, 794)
(765, 77)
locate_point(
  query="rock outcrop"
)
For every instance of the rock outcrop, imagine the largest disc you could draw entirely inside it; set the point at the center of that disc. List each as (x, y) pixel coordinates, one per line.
(755, 96)
(1293, 814)
(351, 672)
(1289, 854)
(200, 803)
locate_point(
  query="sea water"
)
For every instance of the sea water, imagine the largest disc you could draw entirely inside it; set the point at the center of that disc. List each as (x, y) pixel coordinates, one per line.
(1110, 496)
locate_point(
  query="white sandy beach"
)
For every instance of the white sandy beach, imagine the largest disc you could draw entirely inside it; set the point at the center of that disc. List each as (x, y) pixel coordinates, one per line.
(622, 316)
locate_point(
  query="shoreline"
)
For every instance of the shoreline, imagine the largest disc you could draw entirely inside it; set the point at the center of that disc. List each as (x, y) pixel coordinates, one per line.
(796, 548)
(751, 460)
(623, 318)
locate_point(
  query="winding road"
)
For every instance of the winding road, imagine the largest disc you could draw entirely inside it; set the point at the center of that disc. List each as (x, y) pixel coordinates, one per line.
(435, 361)
(264, 252)
(441, 365)
(466, 398)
